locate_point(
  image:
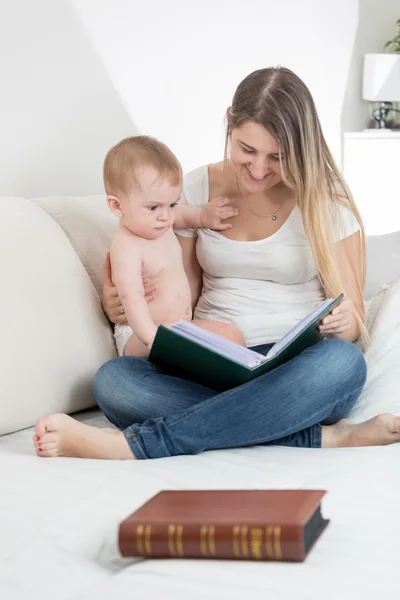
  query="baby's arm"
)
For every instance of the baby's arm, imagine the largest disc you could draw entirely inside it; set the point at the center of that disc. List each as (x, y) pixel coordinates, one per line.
(126, 261)
(210, 215)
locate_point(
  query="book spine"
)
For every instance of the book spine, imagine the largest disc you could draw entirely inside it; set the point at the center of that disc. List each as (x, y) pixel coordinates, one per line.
(242, 542)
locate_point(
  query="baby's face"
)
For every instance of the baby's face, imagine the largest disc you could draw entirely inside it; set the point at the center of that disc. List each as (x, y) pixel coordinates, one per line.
(149, 209)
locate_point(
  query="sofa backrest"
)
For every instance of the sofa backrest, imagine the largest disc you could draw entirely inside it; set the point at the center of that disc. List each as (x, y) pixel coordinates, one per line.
(89, 225)
(54, 334)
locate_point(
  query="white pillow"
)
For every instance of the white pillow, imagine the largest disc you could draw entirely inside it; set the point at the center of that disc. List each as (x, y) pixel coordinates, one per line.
(89, 225)
(382, 389)
(54, 335)
(383, 261)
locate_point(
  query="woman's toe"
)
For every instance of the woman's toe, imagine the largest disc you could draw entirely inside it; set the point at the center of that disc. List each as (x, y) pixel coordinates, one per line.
(48, 453)
(41, 427)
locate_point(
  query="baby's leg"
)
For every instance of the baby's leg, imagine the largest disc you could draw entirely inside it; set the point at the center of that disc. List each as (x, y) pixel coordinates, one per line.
(134, 347)
(225, 330)
(127, 342)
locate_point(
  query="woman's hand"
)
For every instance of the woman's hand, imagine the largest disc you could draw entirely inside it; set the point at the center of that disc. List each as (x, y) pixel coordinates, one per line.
(214, 212)
(111, 303)
(341, 320)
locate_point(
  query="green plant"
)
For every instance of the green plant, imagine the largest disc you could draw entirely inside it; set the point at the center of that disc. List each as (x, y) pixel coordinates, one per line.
(394, 44)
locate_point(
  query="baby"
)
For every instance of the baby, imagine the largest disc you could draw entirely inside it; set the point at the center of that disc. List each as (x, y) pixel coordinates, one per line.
(143, 183)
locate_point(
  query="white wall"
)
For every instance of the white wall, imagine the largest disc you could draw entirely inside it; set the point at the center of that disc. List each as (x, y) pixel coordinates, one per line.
(59, 112)
(77, 75)
(176, 64)
(377, 25)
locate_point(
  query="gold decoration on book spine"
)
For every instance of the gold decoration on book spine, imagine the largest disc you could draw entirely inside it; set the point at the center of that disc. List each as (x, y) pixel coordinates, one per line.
(147, 540)
(277, 543)
(256, 535)
(178, 550)
(268, 542)
(203, 540)
(179, 542)
(211, 540)
(171, 545)
(245, 550)
(139, 539)
(236, 542)
(207, 540)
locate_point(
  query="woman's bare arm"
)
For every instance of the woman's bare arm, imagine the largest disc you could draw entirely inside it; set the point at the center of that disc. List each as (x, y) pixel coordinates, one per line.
(341, 322)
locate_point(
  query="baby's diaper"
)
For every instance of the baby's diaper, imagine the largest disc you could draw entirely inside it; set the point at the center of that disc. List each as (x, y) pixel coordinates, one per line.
(122, 333)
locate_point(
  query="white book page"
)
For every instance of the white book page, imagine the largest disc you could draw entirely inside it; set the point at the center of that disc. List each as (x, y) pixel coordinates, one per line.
(212, 341)
(297, 328)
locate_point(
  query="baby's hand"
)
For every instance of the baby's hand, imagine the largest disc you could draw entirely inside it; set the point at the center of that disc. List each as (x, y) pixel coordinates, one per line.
(216, 211)
(150, 344)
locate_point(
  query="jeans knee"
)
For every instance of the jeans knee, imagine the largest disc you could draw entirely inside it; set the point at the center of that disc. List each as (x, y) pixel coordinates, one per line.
(347, 363)
(104, 384)
(121, 389)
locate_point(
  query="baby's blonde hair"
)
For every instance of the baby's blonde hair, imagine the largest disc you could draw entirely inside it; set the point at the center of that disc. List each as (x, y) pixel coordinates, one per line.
(125, 158)
(279, 100)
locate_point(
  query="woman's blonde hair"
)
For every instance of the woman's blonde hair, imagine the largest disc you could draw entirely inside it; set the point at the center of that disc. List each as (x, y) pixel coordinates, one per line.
(279, 100)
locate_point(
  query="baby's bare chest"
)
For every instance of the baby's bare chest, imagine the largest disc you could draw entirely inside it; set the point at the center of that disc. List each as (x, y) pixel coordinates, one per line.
(161, 256)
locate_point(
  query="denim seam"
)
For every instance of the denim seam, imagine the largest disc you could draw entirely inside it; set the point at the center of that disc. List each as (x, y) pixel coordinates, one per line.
(188, 413)
(316, 436)
(282, 434)
(133, 442)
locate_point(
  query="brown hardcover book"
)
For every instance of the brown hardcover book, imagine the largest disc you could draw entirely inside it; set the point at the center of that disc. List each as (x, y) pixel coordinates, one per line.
(225, 524)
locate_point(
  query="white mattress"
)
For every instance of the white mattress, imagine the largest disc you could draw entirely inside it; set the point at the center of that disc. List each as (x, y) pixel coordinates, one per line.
(59, 517)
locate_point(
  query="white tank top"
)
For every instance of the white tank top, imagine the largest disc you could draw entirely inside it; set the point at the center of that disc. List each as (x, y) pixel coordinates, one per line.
(263, 287)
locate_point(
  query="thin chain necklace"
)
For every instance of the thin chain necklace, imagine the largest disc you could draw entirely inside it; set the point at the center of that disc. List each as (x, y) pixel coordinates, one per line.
(272, 215)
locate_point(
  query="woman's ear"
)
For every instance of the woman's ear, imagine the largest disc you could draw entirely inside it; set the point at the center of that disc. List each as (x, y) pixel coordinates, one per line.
(115, 206)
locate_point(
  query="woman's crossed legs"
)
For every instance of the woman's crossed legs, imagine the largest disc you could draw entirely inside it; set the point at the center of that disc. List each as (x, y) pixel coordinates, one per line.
(302, 403)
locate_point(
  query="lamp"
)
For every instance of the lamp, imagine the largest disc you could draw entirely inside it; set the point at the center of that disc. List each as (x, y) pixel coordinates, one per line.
(381, 83)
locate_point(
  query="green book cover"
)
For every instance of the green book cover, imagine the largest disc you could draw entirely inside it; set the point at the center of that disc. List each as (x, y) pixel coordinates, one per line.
(186, 358)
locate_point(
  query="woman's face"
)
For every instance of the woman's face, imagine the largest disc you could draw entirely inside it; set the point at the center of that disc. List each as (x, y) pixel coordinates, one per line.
(255, 158)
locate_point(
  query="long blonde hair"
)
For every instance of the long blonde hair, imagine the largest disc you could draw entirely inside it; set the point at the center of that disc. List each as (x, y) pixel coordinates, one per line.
(279, 100)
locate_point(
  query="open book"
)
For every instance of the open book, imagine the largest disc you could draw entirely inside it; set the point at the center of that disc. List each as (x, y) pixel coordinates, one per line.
(192, 352)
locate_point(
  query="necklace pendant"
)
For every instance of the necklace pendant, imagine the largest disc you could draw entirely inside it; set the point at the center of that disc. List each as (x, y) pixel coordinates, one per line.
(274, 217)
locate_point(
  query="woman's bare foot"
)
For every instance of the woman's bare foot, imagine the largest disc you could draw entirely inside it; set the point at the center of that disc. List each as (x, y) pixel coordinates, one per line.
(60, 435)
(379, 431)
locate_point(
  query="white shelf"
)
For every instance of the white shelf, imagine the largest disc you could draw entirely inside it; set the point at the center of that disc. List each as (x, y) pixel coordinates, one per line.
(371, 164)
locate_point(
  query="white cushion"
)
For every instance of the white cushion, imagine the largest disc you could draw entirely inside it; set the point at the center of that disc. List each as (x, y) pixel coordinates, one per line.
(381, 392)
(383, 261)
(89, 225)
(54, 335)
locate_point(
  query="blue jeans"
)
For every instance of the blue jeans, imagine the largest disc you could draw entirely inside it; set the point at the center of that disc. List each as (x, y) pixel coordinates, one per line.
(162, 415)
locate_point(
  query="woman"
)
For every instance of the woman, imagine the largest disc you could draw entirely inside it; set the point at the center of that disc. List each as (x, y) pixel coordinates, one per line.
(297, 240)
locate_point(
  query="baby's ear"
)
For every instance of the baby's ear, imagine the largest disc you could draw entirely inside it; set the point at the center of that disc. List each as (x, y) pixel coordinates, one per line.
(115, 206)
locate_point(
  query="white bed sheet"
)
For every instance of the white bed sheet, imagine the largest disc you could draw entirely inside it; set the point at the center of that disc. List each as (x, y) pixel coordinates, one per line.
(59, 518)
